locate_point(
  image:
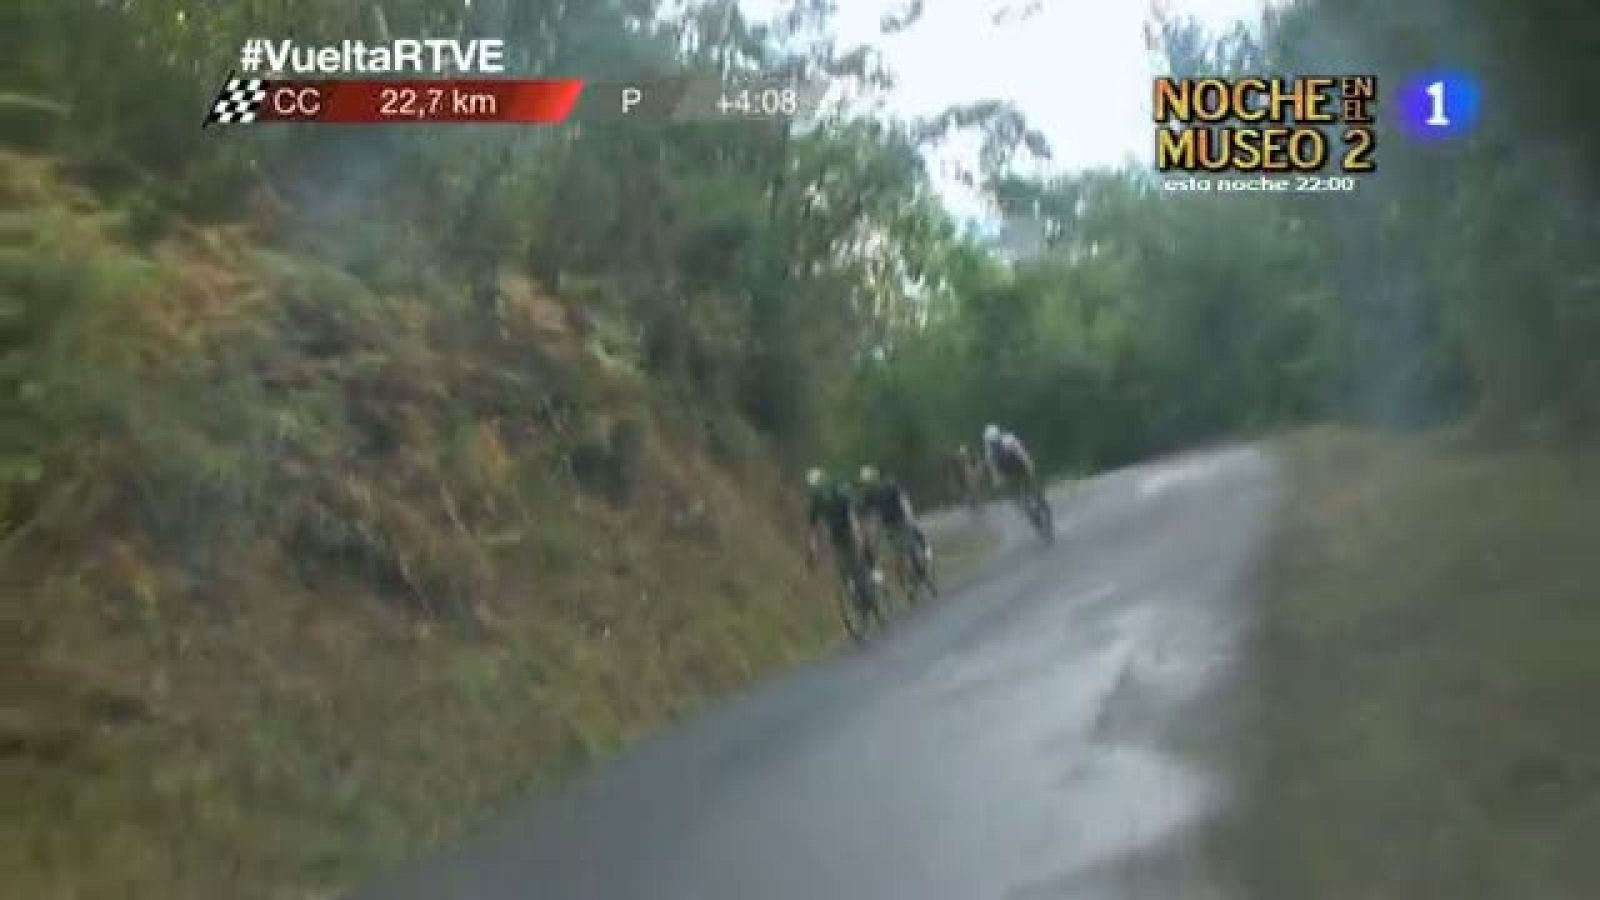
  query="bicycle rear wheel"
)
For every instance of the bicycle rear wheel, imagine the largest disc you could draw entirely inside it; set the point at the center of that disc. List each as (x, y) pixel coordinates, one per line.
(1036, 509)
(1042, 517)
(860, 607)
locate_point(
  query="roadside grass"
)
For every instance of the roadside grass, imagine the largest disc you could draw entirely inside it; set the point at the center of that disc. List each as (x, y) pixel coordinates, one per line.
(1430, 675)
(961, 546)
(303, 738)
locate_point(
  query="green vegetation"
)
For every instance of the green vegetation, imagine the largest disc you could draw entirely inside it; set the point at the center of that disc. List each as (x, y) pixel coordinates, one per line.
(1429, 671)
(356, 480)
(1458, 282)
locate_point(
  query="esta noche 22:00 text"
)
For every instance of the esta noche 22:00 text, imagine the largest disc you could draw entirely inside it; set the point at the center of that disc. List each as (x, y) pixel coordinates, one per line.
(1263, 184)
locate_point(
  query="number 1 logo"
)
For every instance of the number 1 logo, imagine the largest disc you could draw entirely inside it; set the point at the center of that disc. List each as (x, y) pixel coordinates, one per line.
(1438, 105)
(1438, 119)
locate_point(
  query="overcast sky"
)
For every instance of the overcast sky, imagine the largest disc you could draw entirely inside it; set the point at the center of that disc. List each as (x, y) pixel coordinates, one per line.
(1078, 69)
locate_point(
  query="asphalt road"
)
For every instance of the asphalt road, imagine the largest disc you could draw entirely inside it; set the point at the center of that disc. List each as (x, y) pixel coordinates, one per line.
(1058, 725)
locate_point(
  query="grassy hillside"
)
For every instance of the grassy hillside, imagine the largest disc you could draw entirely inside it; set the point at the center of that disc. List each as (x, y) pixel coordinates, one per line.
(1432, 656)
(314, 570)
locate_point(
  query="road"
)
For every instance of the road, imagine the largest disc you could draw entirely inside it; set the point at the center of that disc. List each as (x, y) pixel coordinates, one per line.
(1057, 726)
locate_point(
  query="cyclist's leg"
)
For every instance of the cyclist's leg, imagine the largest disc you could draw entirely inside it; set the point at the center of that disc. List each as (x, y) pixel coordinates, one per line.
(852, 570)
(1019, 475)
(875, 594)
(920, 544)
(905, 544)
(896, 542)
(842, 563)
(913, 553)
(852, 604)
(1005, 486)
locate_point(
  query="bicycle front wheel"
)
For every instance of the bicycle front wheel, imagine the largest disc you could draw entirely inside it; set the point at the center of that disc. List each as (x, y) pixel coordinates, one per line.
(917, 563)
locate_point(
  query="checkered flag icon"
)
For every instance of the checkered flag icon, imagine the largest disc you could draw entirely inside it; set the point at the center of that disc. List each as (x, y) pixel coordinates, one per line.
(238, 102)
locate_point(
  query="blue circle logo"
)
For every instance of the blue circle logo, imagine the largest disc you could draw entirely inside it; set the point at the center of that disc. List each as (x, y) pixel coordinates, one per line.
(1441, 104)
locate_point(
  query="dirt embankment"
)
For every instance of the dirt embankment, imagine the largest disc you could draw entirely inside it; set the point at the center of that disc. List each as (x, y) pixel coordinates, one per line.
(313, 573)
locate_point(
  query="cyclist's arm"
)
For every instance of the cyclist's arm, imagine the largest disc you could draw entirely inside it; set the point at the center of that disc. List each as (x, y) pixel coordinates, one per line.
(1028, 466)
(1026, 457)
(906, 508)
(813, 525)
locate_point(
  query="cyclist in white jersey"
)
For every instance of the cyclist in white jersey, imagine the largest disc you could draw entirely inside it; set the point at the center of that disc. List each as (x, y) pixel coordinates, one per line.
(1006, 458)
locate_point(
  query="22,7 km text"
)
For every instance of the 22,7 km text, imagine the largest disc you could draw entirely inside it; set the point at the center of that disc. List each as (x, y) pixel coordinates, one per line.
(446, 102)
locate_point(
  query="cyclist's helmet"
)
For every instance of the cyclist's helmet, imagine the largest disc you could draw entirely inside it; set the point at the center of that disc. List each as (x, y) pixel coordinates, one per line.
(991, 433)
(815, 478)
(869, 474)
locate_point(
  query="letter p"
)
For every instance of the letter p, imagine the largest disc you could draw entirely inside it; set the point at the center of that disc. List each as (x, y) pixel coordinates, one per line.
(631, 96)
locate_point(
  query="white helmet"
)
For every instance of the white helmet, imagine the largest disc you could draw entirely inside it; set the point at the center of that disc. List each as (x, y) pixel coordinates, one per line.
(814, 478)
(991, 433)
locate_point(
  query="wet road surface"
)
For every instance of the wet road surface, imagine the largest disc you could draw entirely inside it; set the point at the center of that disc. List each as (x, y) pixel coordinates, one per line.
(1056, 726)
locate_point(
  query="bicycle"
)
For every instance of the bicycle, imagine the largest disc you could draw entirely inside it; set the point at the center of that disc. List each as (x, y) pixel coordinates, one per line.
(914, 565)
(969, 484)
(972, 494)
(1030, 499)
(860, 599)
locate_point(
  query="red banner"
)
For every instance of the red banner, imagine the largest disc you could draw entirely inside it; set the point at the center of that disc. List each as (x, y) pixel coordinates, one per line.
(543, 100)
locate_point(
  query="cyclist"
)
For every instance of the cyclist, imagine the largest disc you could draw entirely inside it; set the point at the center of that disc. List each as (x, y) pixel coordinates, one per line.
(886, 504)
(967, 469)
(1007, 460)
(833, 510)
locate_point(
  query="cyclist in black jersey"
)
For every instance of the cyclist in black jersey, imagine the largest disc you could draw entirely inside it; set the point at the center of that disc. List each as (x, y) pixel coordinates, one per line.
(833, 512)
(886, 505)
(883, 499)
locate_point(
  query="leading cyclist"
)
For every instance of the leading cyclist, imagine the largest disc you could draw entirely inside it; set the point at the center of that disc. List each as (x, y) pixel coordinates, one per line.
(1009, 463)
